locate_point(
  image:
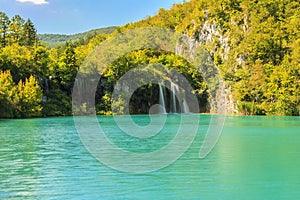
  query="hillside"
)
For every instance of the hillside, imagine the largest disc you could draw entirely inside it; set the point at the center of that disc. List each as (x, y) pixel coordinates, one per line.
(254, 44)
(58, 39)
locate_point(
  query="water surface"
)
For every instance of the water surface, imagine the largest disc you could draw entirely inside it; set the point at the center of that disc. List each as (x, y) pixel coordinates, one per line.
(256, 157)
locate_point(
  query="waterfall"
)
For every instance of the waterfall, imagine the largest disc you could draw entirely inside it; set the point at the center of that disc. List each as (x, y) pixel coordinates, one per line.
(185, 106)
(162, 98)
(174, 92)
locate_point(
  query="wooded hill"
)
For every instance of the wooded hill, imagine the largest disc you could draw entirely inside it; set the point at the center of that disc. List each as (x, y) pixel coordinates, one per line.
(255, 45)
(53, 40)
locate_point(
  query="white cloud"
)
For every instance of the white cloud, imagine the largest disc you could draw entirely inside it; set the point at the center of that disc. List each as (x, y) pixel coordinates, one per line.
(37, 2)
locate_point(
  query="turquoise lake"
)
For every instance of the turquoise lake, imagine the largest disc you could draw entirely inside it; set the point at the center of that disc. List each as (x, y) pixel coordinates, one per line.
(255, 158)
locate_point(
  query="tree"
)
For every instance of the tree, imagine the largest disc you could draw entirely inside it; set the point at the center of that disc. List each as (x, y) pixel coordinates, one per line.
(17, 59)
(16, 30)
(4, 25)
(68, 69)
(6, 95)
(29, 34)
(29, 98)
(41, 61)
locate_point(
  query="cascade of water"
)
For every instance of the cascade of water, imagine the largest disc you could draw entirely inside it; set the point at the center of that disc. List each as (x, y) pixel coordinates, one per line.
(165, 95)
(176, 93)
(174, 90)
(162, 98)
(185, 106)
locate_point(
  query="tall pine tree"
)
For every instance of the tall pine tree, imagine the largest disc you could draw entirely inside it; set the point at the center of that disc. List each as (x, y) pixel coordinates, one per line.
(4, 25)
(29, 35)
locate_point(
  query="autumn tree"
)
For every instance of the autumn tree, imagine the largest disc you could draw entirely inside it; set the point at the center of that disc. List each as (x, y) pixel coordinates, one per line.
(6, 95)
(29, 98)
(16, 30)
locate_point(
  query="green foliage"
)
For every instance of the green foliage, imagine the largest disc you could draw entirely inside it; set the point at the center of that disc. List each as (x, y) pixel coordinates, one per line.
(147, 57)
(54, 40)
(250, 108)
(68, 69)
(104, 106)
(17, 31)
(263, 36)
(4, 25)
(261, 67)
(6, 94)
(54, 71)
(29, 34)
(41, 61)
(17, 59)
(29, 96)
(21, 100)
(57, 104)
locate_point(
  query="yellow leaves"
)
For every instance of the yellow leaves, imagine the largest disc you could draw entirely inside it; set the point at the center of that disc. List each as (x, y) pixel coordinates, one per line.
(24, 98)
(17, 51)
(6, 85)
(282, 91)
(30, 96)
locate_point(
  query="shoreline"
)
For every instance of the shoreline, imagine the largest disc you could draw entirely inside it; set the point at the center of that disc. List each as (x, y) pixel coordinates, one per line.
(69, 116)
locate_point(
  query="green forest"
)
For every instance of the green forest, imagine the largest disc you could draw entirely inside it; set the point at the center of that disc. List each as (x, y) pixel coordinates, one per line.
(54, 40)
(255, 45)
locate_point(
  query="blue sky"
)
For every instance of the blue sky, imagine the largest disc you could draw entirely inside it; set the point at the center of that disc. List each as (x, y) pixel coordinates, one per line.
(75, 16)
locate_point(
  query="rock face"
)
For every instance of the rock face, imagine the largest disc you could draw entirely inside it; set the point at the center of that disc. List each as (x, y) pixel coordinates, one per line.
(209, 35)
(201, 48)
